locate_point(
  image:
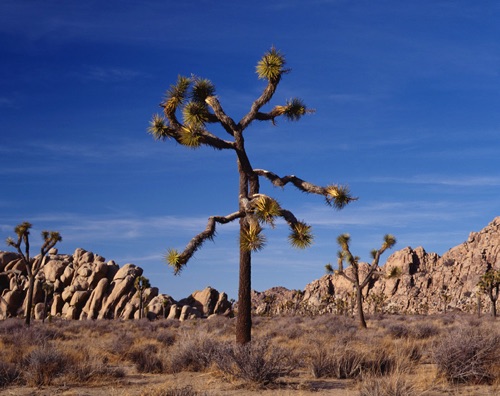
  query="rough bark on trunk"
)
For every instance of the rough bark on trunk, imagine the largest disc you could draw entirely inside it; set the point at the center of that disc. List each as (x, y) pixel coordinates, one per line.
(29, 301)
(244, 318)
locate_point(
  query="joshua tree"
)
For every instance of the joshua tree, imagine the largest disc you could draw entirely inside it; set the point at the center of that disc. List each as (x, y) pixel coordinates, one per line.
(353, 261)
(141, 283)
(194, 98)
(489, 283)
(33, 264)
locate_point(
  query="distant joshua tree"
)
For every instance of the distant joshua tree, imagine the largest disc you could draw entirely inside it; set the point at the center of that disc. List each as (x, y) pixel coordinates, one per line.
(345, 255)
(195, 99)
(141, 283)
(489, 283)
(33, 264)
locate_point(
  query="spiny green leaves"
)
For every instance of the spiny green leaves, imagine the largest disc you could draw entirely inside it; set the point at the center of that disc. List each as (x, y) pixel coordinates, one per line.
(343, 241)
(329, 269)
(22, 229)
(301, 236)
(141, 283)
(195, 114)
(251, 238)
(190, 137)
(51, 236)
(271, 66)
(489, 280)
(176, 94)
(338, 196)
(266, 209)
(389, 241)
(157, 127)
(174, 259)
(202, 89)
(295, 109)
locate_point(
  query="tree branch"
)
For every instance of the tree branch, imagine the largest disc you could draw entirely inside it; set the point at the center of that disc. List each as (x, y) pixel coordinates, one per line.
(227, 122)
(180, 260)
(265, 97)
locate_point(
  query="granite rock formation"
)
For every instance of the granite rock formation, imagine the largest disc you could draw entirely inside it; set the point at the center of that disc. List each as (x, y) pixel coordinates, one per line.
(411, 281)
(84, 286)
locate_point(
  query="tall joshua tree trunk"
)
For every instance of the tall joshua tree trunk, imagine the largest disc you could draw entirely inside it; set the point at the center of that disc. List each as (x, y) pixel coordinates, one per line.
(244, 318)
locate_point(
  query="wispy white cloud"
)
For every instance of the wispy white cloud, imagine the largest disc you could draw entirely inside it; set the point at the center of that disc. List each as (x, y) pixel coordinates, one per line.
(460, 181)
(110, 74)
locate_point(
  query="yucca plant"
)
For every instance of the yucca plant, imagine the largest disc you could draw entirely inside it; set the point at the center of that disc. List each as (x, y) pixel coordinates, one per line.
(345, 255)
(489, 283)
(33, 265)
(189, 107)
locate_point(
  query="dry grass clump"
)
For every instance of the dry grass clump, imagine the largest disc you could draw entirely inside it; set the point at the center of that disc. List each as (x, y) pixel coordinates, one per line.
(193, 352)
(258, 362)
(469, 355)
(391, 385)
(146, 358)
(43, 365)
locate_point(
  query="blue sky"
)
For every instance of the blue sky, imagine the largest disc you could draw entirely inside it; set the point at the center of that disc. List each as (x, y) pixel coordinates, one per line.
(406, 94)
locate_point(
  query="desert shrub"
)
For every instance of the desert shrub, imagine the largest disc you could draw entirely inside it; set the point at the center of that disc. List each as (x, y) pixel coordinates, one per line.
(165, 336)
(85, 366)
(468, 355)
(320, 360)
(399, 330)
(422, 331)
(392, 385)
(11, 326)
(120, 344)
(257, 362)
(43, 365)
(193, 352)
(9, 373)
(146, 359)
(347, 362)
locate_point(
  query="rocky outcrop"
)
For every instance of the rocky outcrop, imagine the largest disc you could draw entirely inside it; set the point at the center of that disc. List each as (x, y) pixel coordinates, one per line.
(84, 286)
(411, 281)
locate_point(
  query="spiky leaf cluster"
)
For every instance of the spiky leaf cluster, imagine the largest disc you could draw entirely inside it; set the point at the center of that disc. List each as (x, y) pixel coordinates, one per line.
(389, 241)
(301, 236)
(195, 114)
(338, 196)
(489, 280)
(202, 89)
(251, 238)
(295, 109)
(266, 209)
(174, 259)
(271, 66)
(190, 137)
(158, 128)
(22, 229)
(141, 283)
(176, 94)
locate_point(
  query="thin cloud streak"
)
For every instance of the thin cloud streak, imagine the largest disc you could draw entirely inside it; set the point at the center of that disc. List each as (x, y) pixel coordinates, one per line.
(466, 181)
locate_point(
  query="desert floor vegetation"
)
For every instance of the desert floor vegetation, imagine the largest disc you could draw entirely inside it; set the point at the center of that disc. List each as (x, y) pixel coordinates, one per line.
(451, 354)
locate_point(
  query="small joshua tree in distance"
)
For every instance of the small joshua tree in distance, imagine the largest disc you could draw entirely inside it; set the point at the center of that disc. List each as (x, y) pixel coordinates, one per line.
(489, 283)
(33, 265)
(345, 255)
(141, 283)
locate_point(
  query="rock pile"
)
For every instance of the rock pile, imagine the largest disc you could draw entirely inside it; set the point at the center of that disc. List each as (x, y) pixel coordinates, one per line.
(84, 286)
